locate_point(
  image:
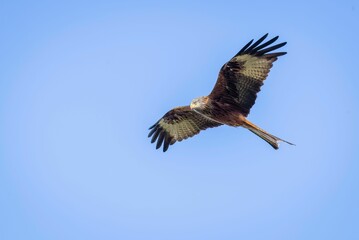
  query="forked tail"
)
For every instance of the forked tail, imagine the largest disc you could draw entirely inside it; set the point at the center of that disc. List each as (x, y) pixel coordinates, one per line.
(269, 138)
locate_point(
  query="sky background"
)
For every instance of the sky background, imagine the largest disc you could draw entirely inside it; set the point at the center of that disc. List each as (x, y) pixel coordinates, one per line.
(81, 82)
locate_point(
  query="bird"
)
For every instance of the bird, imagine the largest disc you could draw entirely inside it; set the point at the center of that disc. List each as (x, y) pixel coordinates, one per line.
(229, 103)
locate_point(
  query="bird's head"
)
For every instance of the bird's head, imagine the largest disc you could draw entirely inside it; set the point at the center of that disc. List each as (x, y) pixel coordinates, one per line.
(199, 103)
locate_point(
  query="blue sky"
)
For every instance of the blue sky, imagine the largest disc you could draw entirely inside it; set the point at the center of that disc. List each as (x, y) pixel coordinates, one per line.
(81, 82)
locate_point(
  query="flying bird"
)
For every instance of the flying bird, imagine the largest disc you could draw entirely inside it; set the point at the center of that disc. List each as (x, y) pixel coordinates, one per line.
(230, 101)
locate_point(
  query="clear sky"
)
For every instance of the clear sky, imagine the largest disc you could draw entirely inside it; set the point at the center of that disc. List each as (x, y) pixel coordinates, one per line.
(81, 82)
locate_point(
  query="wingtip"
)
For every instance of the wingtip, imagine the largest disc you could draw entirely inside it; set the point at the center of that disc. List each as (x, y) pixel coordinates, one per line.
(154, 125)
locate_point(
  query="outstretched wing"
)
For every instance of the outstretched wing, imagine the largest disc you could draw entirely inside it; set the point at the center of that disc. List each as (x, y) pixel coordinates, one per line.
(178, 124)
(240, 79)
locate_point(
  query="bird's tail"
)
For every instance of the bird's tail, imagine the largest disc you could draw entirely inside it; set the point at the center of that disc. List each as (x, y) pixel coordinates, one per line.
(269, 138)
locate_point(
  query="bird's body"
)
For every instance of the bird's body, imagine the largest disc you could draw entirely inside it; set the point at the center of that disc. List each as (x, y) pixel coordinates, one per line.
(230, 101)
(216, 111)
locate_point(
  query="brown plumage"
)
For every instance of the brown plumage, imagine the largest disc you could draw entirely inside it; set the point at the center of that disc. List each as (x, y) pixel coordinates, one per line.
(230, 101)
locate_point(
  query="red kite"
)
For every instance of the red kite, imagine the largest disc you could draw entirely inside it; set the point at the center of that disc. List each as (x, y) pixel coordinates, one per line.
(230, 101)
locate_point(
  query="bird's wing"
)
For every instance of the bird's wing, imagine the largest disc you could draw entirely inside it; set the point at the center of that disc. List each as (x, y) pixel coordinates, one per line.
(240, 79)
(178, 124)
